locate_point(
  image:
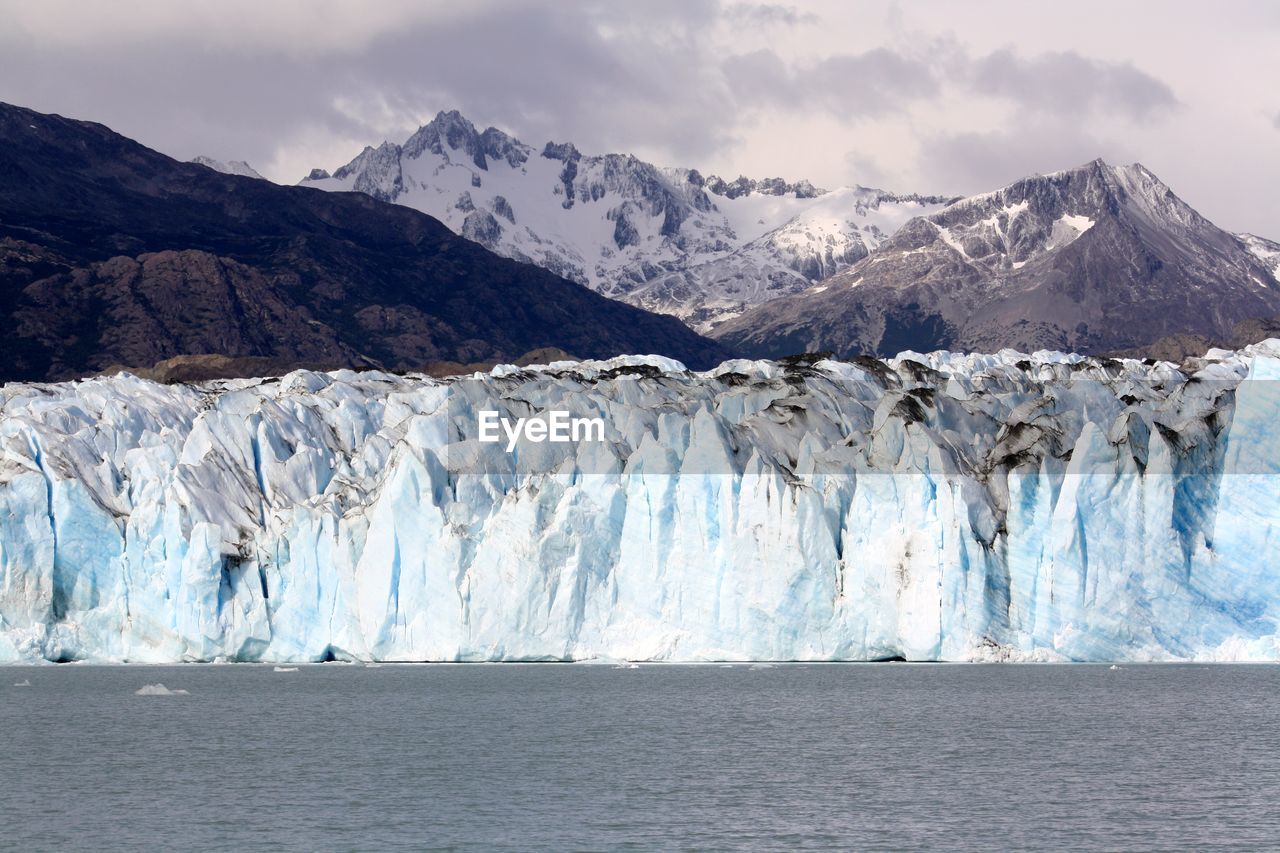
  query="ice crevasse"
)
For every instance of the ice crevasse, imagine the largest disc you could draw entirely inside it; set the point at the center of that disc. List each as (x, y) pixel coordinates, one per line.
(929, 507)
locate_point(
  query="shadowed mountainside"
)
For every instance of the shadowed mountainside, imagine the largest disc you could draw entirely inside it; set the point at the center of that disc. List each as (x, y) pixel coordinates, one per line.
(114, 254)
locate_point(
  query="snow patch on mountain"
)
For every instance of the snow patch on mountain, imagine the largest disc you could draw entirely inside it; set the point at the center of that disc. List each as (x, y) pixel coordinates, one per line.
(228, 167)
(1267, 251)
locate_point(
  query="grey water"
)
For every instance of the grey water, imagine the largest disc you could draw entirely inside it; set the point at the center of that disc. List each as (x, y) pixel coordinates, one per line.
(560, 757)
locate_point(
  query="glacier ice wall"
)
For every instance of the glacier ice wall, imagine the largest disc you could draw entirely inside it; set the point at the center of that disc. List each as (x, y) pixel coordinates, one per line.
(929, 507)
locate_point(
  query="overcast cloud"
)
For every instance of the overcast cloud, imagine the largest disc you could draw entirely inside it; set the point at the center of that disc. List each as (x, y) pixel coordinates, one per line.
(931, 97)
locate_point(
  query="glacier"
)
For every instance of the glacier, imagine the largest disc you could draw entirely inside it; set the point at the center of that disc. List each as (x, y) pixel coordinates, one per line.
(940, 506)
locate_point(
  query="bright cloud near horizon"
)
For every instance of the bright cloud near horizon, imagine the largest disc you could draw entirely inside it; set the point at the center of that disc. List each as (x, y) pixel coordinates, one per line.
(930, 96)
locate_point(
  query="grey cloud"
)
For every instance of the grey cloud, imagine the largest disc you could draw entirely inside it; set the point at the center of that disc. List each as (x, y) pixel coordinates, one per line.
(1066, 82)
(882, 80)
(767, 14)
(866, 169)
(542, 71)
(847, 85)
(669, 80)
(976, 161)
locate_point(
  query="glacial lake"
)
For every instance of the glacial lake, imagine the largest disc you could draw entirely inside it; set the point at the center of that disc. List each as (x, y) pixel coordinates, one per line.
(558, 757)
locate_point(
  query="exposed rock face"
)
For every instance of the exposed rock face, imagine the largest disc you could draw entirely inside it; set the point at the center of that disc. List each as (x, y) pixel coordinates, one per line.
(743, 186)
(502, 208)
(113, 254)
(1094, 259)
(140, 311)
(481, 227)
(1179, 348)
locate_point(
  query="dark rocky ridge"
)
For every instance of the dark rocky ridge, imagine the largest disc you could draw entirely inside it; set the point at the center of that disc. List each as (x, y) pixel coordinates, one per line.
(202, 368)
(1179, 348)
(114, 254)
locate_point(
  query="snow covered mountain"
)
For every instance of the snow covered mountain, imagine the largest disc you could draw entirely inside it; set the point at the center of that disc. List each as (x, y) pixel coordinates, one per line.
(1005, 507)
(1094, 259)
(228, 167)
(668, 240)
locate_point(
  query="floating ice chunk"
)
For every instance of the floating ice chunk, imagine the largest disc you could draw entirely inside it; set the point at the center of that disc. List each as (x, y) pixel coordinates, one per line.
(284, 669)
(26, 682)
(158, 690)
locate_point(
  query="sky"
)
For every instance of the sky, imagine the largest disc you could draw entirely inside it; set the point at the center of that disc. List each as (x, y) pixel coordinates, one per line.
(930, 97)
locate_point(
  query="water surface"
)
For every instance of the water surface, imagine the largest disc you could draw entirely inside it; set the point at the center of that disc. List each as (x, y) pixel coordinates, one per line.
(575, 756)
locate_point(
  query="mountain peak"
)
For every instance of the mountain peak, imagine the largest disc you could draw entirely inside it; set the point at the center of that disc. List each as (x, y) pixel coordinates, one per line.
(452, 117)
(450, 132)
(1097, 258)
(1092, 189)
(564, 151)
(452, 126)
(228, 167)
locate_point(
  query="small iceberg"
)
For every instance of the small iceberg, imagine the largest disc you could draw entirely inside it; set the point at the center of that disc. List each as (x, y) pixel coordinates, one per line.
(158, 690)
(284, 669)
(762, 666)
(1114, 666)
(26, 682)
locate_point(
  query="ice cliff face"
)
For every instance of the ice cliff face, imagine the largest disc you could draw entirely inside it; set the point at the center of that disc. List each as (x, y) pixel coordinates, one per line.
(929, 507)
(667, 240)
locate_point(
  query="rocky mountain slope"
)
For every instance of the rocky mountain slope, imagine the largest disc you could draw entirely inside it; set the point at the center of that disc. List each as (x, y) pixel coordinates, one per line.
(668, 240)
(113, 254)
(1093, 259)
